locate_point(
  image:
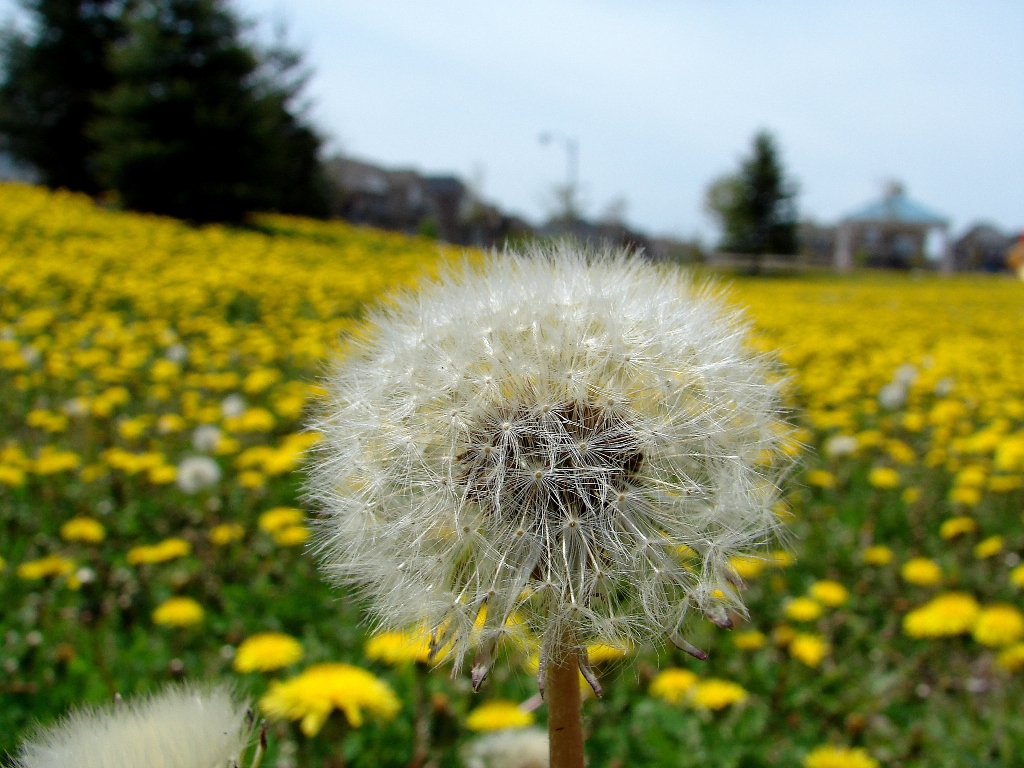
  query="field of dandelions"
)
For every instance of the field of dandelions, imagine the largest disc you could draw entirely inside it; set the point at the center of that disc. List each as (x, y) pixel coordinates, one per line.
(154, 386)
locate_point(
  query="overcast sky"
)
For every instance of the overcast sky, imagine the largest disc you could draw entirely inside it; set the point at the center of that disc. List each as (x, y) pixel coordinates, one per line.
(664, 95)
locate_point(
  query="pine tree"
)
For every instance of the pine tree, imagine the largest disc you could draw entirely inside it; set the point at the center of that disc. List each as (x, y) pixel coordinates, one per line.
(756, 207)
(199, 125)
(50, 83)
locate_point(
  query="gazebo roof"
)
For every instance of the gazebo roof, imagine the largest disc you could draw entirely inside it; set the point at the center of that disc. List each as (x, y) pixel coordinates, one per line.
(896, 208)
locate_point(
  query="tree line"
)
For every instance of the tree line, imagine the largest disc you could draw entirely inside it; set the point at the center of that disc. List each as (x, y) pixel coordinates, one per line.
(165, 106)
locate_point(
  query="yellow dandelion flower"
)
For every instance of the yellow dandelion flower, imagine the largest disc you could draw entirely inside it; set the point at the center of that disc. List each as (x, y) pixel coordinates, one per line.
(921, 572)
(170, 423)
(821, 478)
(751, 640)
(953, 613)
(747, 566)
(178, 612)
(1017, 576)
(830, 593)
(498, 715)
(225, 533)
(911, 495)
(164, 474)
(716, 694)
(999, 625)
(51, 461)
(877, 555)
(672, 685)
(83, 529)
(275, 519)
(884, 478)
(957, 526)
(599, 653)
(290, 536)
(51, 565)
(839, 757)
(266, 652)
(320, 689)
(965, 495)
(251, 479)
(808, 649)
(1005, 483)
(10, 476)
(989, 547)
(780, 558)
(396, 648)
(168, 549)
(1012, 659)
(803, 609)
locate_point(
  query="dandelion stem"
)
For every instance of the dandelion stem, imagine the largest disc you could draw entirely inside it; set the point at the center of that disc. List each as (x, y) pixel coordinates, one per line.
(565, 716)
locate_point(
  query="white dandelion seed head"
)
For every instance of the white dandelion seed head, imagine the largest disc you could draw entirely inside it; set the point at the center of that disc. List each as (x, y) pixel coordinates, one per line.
(510, 748)
(542, 438)
(196, 473)
(232, 406)
(944, 386)
(205, 438)
(176, 353)
(892, 396)
(906, 374)
(182, 727)
(841, 445)
(75, 407)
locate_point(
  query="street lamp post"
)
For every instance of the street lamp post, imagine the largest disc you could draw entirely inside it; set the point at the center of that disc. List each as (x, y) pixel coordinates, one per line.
(568, 194)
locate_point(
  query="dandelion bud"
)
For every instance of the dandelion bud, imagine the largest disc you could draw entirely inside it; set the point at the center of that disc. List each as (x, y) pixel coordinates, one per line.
(548, 442)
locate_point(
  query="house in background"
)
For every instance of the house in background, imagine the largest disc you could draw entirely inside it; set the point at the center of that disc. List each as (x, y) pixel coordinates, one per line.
(405, 200)
(982, 248)
(890, 232)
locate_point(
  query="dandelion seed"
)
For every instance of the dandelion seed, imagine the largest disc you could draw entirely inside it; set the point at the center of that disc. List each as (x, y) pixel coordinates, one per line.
(563, 498)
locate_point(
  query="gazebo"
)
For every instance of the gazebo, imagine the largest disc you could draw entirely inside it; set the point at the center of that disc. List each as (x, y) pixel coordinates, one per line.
(890, 232)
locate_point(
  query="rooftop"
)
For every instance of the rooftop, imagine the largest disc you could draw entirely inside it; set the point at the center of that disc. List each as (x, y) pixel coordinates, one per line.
(896, 207)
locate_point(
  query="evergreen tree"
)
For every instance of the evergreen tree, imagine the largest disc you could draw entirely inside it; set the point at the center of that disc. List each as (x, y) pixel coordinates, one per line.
(756, 207)
(49, 85)
(199, 124)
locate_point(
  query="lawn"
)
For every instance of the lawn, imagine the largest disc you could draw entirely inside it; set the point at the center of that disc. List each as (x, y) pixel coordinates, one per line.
(153, 385)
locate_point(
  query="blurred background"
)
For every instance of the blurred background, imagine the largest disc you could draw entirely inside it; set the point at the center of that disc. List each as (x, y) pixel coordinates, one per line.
(473, 123)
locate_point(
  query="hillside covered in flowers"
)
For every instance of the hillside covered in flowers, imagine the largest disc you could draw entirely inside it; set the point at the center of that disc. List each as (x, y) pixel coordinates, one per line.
(153, 385)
